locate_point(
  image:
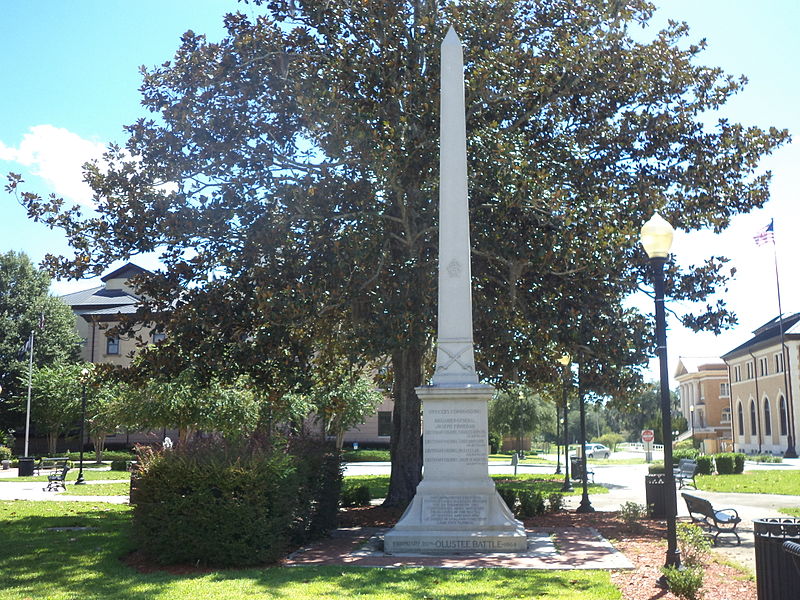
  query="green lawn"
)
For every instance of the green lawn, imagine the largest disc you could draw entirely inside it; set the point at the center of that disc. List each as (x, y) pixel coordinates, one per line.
(72, 475)
(98, 489)
(379, 484)
(66, 565)
(753, 482)
(792, 512)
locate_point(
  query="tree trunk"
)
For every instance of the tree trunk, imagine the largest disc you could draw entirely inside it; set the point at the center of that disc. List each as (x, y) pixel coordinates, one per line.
(99, 440)
(52, 438)
(406, 444)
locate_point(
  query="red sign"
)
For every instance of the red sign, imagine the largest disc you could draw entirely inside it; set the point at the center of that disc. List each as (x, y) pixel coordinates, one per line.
(648, 435)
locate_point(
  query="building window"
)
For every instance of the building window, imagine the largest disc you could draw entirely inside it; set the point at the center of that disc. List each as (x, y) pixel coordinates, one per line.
(158, 337)
(725, 390)
(767, 420)
(750, 370)
(753, 418)
(782, 415)
(725, 416)
(737, 373)
(740, 414)
(763, 367)
(779, 362)
(112, 345)
(384, 423)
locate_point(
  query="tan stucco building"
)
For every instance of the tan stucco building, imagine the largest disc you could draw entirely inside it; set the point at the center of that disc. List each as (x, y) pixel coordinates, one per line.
(705, 401)
(765, 387)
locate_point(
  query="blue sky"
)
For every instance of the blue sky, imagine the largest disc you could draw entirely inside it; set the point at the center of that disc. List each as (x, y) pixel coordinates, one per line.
(70, 75)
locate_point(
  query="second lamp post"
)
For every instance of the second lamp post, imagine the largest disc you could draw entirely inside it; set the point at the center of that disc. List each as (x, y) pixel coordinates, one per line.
(656, 237)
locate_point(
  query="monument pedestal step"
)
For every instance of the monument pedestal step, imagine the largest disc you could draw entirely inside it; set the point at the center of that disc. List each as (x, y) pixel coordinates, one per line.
(455, 542)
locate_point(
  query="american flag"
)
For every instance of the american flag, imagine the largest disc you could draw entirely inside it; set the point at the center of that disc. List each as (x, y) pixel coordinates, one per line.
(765, 235)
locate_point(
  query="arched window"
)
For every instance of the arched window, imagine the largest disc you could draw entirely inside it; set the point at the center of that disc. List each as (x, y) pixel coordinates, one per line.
(782, 415)
(740, 413)
(753, 418)
(767, 420)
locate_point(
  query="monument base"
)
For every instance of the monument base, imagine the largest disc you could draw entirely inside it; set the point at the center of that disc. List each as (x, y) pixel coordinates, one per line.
(456, 517)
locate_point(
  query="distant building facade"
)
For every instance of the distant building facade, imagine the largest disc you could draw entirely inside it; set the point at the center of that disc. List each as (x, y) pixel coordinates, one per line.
(705, 401)
(765, 387)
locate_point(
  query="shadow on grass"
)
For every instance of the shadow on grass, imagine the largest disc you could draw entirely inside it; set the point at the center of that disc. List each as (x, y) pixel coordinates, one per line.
(85, 561)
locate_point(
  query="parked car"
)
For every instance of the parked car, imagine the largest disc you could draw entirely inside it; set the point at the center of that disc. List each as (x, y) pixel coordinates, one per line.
(597, 451)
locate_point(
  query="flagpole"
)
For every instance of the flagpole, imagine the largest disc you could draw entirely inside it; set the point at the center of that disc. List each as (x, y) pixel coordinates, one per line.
(790, 449)
(28, 409)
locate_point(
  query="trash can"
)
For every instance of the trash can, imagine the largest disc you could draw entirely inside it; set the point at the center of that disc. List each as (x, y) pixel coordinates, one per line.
(655, 491)
(25, 466)
(776, 576)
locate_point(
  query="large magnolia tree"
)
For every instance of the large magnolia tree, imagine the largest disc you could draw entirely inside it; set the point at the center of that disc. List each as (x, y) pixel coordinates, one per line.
(288, 177)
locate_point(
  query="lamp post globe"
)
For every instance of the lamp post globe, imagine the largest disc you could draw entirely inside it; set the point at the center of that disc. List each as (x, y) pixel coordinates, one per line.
(656, 238)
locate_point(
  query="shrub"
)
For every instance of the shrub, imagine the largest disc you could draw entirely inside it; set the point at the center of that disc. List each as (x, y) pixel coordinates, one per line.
(679, 453)
(555, 501)
(120, 465)
(724, 462)
(366, 456)
(766, 458)
(738, 462)
(211, 503)
(5, 453)
(656, 468)
(357, 495)
(610, 439)
(693, 544)
(495, 442)
(684, 583)
(509, 496)
(531, 503)
(705, 465)
(631, 512)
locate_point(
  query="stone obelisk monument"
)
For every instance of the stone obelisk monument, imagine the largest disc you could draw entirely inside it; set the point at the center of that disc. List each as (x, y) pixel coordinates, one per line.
(456, 508)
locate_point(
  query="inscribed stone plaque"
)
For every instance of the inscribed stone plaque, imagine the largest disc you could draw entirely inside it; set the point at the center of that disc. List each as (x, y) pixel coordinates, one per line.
(455, 510)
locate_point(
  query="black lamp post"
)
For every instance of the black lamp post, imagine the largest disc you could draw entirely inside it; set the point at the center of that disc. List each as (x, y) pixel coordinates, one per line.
(558, 439)
(656, 237)
(585, 506)
(565, 360)
(84, 374)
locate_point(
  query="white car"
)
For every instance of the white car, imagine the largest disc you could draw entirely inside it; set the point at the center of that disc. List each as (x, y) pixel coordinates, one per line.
(597, 451)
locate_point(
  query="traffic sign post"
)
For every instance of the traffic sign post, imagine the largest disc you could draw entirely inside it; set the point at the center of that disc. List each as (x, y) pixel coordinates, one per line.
(648, 435)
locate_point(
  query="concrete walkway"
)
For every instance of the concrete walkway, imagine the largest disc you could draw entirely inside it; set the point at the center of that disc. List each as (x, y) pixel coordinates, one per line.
(34, 490)
(626, 484)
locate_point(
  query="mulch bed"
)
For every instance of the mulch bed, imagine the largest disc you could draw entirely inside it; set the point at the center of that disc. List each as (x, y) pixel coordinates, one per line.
(643, 544)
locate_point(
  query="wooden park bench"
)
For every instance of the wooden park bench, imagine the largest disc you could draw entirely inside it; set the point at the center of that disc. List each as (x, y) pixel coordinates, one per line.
(685, 472)
(723, 520)
(47, 464)
(57, 480)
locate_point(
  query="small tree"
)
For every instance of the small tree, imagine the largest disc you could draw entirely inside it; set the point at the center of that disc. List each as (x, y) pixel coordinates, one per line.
(189, 405)
(56, 400)
(343, 404)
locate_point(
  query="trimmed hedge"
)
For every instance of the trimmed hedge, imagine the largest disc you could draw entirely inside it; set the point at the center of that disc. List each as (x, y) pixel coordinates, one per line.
(705, 464)
(724, 462)
(679, 453)
(525, 502)
(213, 504)
(358, 495)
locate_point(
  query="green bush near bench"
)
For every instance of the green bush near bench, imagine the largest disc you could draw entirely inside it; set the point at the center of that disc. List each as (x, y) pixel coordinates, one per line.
(218, 504)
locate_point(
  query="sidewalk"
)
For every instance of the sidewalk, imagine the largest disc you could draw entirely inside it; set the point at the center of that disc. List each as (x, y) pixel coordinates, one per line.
(629, 487)
(34, 490)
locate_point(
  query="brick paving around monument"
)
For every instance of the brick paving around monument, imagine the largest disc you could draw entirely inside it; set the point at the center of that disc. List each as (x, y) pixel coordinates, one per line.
(549, 548)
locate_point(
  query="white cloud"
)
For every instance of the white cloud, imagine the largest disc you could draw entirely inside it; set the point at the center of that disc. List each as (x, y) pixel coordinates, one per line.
(56, 155)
